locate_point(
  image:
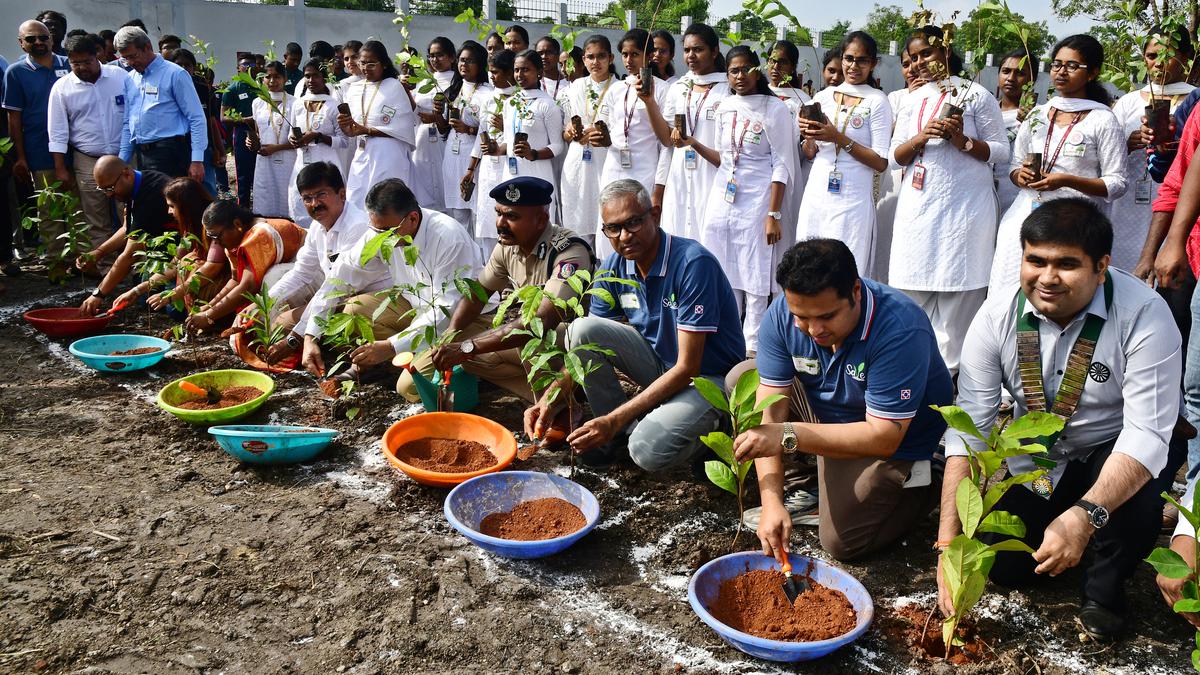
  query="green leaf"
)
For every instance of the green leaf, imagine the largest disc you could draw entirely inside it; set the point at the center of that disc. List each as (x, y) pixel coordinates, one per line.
(1186, 605)
(352, 413)
(997, 491)
(743, 469)
(958, 419)
(711, 393)
(744, 390)
(1003, 522)
(721, 476)
(1010, 545)
(720, 443)
(1033, 425)
(604, 295)
(970, 506)
(767, 403)
(969, 593)
(1169, 564)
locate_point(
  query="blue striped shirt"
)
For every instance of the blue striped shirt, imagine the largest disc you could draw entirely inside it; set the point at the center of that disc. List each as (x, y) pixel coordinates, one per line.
(159, 104)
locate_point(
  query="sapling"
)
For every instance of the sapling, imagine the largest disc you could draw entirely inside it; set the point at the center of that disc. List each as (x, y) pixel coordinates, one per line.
(1170, 564)
(728, 473)
(478, 25)
(155, 257)
(264, 333)
(966, 562)
(55, 208)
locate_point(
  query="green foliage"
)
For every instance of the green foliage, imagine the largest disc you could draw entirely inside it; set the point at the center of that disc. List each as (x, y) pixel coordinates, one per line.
(967, 561)
(56, 208)
(6, 146)
(651, 14)
(886, 23)
(1170, 564)
(270, 51)
(205, 55)
(479, 25)
(343, 332)
(259, 89)
(993, 28)
(1125, 29)
(159, 253)
(264, 333)
(744, 413)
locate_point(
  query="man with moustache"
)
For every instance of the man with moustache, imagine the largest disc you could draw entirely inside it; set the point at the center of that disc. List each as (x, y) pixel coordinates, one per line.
(530, 252)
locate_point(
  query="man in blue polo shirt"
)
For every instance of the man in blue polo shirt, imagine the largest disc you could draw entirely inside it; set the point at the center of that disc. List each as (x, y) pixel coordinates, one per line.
(679, 320)
(859, 366)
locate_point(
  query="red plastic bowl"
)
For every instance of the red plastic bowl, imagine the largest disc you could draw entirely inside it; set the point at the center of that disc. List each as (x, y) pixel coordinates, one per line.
(65, 321)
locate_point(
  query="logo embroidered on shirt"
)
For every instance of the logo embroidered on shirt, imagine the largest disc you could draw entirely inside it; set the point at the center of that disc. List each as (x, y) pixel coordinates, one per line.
(566, 269)
(1099, 372)
(698, 310)
(859, 373)
(670, 303)
(905, 394)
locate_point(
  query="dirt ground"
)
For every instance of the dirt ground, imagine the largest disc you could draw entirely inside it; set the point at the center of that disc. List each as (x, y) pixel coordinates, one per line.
(130, 542)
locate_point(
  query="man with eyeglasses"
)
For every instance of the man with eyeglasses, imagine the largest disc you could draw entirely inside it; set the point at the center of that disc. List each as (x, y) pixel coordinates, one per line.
(165, 128)
(146, 213)
(237, 114)
(445, 250)
(27, 85)
(678, 320)
(337, 227)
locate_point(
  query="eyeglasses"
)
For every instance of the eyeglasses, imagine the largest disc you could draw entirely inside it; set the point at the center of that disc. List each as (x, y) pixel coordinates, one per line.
(315, 197)
(108, 190)
(632, 226)
(211, 236)
(467, 62)
(30, 39)
(1070, 66)
(857, 60)
(368, 64)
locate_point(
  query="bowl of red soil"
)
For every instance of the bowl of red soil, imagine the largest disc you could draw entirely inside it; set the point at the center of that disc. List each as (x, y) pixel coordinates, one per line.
(443, 449)
(522, 514)
(240, 392)
(272, 443)
(65, 321)
(120, 353)
(741, 597)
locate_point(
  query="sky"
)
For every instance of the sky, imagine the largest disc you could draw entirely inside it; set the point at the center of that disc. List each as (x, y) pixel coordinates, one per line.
(821, 15)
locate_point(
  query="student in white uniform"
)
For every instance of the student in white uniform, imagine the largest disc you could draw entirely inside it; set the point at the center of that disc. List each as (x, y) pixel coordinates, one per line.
(1082, 147)
(464, 129)
(533, 125)
(431, 134)
(276, 156)
(782, 62)
(556, 85)
(380, 123)
(889, 181)
(315, 116)
(1131, 213)
(742, 225)
(584, 158)
(1016, 70)
(662, 56)
(946, 213)
(353, 74)
(694, 157)
(847, 152)
(487, 168)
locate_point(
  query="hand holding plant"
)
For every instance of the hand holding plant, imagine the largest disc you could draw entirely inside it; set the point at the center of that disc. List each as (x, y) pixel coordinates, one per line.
(1177, 572)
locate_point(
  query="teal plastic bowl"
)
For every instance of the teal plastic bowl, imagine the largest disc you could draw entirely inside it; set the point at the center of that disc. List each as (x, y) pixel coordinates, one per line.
(97, 351)
(272, 443)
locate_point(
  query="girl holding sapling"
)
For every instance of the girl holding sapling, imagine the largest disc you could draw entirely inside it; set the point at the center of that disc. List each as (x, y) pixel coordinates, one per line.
(782, 63)
(1166, 58)
(635, 124)
(463, 121)
(692, 148)
(276, 156)
(947, 133)
(1082, 148)
(889, 181)
(380, 123)
(585, 156)
(487, 167)
(1016, 70)
(742, 220)
(320, 140)
(848, 149)
(533, 127)
(431, 134)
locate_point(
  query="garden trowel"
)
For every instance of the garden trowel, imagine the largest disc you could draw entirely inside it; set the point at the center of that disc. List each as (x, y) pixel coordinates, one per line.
(793, 587)
(208, 392)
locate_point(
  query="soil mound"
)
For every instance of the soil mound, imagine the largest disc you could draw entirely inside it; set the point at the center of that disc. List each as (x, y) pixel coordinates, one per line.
(535, 520)
(230, 396)
(754, 603)
(446, 455)
(135, 352)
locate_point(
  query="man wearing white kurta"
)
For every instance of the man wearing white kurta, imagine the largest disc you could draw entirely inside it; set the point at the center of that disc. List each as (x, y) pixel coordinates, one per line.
(445, 251)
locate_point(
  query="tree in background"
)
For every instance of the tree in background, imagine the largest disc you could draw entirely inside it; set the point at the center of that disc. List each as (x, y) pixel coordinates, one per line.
(832, 36)
(979, 34)
(1101, 11)
(754, 27)
(886, 23)
(670, 12)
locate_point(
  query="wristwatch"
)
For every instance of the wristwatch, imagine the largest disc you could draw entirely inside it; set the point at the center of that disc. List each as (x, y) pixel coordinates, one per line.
(97, 293)
(848, 146)
(789, 438)
(467, 347)
(1097, 515)
(777, 215)
(968, 145)
(294, 341)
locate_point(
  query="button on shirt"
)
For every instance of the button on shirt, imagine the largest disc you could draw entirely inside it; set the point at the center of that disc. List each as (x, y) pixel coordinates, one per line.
(87, 116)
(510, 268)
(162, 103)
(27, 90)
(686, 290)
(316, 258)
(889, 367)
(446, 249)
(1131, 393)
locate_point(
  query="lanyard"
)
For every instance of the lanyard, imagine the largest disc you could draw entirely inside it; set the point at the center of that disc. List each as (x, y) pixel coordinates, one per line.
(599, 99)
(628, 113)
(557, 84)
(137, 186)
(694, 119)
(735, 146)
(936, 108)
(367, 105)
(836, 113)
(271, 117)
(1047, 165)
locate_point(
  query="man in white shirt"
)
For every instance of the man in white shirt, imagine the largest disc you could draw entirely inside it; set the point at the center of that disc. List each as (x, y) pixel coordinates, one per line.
(1098, 348)
(337, 227)
(84, 122)
(419, 295)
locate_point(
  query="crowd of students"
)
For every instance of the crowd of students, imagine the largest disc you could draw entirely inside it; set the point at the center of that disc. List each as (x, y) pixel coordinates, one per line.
(871, 253)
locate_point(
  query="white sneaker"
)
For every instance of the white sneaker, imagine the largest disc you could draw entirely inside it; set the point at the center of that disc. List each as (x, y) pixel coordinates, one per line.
(801, 505)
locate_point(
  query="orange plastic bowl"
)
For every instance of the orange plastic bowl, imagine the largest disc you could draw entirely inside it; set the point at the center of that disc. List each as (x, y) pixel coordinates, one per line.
(65, 321)
(464, 426)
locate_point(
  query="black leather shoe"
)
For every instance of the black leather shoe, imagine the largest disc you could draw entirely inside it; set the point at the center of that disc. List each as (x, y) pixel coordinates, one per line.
(1101, 623)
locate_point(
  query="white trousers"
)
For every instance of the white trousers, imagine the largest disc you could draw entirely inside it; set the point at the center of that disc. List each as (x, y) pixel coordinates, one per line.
(951, 313)
(753, 308)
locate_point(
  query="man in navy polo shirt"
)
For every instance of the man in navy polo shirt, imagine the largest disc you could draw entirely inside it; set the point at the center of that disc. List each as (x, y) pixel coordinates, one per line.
(678, 321)
(859, 365)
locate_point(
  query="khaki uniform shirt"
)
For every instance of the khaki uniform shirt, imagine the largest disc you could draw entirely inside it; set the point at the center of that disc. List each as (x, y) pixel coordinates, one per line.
(510, 269)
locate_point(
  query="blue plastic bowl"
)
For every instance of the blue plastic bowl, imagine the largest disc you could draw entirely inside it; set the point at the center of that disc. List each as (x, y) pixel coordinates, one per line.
(706, 583)
(97, 352)
(272, 443)
(471, 501)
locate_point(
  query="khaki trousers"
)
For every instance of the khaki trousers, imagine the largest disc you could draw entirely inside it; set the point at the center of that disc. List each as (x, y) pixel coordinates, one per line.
(503, 369)
(96, 207)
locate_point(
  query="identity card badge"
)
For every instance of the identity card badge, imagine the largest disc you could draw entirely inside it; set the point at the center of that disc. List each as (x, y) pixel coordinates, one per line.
(731, 190)
(689, 159)
(587, 155)
(918, 179)
(626, 158)
(433, 133)
(835, 182)
(1141, 190)
(512, 165)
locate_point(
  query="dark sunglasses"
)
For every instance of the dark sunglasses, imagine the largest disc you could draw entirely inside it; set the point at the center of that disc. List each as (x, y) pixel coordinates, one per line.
(30, 39)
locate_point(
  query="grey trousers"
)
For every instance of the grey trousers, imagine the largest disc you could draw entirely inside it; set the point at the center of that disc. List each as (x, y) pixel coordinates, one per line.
(670, 433)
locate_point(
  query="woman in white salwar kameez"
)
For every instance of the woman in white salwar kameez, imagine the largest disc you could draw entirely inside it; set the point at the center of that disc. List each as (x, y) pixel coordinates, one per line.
(315, 115)
(1131, 213)
(342, 86)
(380, 124)
(431, 134)
(464, 130)
(488, 167)
(781, 72)
(946, 213)
(1013, 77)
(742, 225)
(537, 118)
(635, 144)
(584, 158)
(889, 181)
(693, 152)
(847, 150)
(276, 156)
(1082, 145)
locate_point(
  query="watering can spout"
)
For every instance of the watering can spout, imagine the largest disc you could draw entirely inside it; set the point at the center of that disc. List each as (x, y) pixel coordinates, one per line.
(426, 388)
(463, 385)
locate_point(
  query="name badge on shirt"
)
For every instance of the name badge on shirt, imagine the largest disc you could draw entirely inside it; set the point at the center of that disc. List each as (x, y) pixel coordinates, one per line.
(61, 73)
(1141, 190)
(1074, 150)
(119, 99)
(455, 146)
(710, 114)
(918, 179)
(689, 159)
(835, 182)
(626, 158)
(243, 96)
(433, 134)
(512, 165)
(587, 155)
(630, 301)
(151, 90)
(806, 366)
(730, 190)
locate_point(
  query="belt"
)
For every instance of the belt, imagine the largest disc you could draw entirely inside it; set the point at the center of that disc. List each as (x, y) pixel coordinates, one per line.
(161, 142)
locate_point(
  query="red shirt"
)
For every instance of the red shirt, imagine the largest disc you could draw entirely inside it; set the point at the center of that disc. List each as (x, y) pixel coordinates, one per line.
(1168, 192)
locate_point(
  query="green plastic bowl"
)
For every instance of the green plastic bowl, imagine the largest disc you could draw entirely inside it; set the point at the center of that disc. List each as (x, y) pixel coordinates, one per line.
(171, 395)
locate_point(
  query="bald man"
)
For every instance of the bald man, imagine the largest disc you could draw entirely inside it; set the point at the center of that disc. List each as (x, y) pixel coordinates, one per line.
(27, 85)
(145, 213)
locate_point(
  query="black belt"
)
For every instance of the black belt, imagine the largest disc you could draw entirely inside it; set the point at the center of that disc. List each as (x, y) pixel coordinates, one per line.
(162, 142)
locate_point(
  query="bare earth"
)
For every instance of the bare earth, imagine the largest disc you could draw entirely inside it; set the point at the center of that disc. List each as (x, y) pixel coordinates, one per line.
(131, 543)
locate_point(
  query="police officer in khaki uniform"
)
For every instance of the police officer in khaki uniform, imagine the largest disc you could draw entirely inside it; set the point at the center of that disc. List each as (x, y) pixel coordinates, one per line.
(531, 251)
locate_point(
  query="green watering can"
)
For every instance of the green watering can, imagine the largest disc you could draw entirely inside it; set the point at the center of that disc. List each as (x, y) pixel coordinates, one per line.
(462, 392)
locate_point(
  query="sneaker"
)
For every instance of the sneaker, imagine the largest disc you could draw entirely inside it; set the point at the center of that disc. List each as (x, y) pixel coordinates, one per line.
(800, 504)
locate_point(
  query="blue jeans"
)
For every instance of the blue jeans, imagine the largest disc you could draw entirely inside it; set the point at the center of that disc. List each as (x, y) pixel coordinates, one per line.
(1191, 385)
(210, 172)
(243, 162)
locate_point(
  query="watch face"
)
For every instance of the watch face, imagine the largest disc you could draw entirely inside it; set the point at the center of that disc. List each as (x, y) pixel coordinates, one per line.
(1099, 517)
